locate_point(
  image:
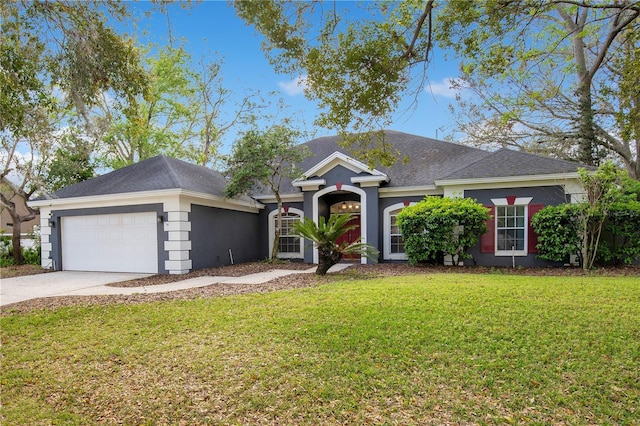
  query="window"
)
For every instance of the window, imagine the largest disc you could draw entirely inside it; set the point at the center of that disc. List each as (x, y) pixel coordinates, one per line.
(509, 232)
(511, 226)
(290, 246)
(396, 240)
(289, 243)
(393, 248)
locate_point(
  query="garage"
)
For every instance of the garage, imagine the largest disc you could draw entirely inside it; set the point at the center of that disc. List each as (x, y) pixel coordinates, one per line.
(123, 242)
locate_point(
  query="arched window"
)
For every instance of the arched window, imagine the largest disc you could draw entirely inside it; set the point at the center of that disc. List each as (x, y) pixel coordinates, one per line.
(290, 246)
(392, 238)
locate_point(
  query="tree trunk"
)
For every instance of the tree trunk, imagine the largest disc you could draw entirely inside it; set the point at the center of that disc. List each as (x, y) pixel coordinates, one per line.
(15, 240)
(276, 234)
(586, 131)
(327, 260)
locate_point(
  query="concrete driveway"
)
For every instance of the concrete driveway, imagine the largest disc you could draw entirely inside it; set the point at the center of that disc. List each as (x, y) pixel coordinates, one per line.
(62, 283)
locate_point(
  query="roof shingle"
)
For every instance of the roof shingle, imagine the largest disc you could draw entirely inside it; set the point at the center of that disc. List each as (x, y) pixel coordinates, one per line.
(154, 174)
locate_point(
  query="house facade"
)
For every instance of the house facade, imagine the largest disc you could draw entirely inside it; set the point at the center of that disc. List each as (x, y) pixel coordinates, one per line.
(166, 216)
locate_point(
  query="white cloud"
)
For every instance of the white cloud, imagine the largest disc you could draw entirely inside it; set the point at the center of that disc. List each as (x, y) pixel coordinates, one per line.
(295, 86)
(446, 88)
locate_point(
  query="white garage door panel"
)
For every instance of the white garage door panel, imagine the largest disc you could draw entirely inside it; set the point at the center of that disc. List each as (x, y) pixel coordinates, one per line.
(125, 242)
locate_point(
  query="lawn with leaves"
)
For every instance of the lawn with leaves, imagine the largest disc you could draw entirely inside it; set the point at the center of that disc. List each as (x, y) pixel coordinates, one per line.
(429, 349)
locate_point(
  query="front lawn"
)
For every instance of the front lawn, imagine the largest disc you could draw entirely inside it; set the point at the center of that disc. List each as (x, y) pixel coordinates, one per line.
(428, 349)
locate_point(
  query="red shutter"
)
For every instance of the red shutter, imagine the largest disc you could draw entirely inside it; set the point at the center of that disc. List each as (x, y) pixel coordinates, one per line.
(532, 236)
(487, 240)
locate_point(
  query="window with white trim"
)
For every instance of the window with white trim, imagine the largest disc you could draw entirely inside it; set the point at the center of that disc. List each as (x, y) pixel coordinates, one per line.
(290, 246)
(289, 242)
(511, 228)
(395, 236)
(511, 220)
(393, 242)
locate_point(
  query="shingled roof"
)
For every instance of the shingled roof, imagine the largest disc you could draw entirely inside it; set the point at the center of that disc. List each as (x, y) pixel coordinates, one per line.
(506, 162)
(423, 161)
(154, 174)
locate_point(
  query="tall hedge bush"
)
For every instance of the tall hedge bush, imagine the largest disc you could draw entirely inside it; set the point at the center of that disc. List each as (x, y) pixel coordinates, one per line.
(436, 226)
(559, 230)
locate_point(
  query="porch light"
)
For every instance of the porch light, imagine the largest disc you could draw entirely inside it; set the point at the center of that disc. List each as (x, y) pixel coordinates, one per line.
(350, 206)
(343, 206)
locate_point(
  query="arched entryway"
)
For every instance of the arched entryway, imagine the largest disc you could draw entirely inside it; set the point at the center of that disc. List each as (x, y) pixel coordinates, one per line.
(342, 199)
(351, 207)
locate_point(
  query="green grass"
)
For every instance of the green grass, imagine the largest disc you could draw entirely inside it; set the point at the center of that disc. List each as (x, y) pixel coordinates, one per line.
(432, 349)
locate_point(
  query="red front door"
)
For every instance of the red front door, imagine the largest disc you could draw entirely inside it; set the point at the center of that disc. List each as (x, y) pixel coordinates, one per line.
(351, 236)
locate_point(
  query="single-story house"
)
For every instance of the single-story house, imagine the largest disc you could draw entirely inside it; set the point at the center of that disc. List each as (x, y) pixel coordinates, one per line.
(164, 215)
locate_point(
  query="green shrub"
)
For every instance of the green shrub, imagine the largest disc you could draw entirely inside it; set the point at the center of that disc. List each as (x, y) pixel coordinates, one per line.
(437, 226)
(31, 256)
(559, 234)
(621, 236)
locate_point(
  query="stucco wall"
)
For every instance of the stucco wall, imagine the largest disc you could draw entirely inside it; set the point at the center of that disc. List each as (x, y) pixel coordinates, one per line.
(214, 231)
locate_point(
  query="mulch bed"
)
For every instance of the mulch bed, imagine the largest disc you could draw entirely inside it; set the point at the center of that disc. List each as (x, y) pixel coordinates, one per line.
(285, 283)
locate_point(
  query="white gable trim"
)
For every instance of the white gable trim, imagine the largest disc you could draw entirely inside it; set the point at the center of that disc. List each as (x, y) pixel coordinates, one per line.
(363, 213)
(367, 181)
(309, 185)
(339, 159)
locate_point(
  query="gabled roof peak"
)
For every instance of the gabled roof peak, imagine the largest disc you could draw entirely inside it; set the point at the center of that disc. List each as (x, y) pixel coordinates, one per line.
(339, 159)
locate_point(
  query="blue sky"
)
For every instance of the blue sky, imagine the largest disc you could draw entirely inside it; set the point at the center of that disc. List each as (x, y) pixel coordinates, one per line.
(212, 28)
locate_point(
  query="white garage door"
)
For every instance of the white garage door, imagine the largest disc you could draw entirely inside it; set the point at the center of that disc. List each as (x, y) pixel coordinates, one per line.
(125, 242)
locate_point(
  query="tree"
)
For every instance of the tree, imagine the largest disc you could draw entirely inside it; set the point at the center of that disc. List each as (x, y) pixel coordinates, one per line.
(180, 117)
(600, 194)
(549, 75)
(160, 123)
(439, 226)
(324, 236)
(70, 163)
(518, 56)
(55, 58)
(264, 159)
(212, 97)
(358, 71)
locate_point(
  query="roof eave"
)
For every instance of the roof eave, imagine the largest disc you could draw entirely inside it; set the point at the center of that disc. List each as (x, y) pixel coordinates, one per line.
(140, 197)
(504, 179)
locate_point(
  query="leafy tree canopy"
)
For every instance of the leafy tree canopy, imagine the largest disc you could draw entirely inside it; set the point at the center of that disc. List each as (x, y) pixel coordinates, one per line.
(558, 77)
(56, 59)
(262, 160)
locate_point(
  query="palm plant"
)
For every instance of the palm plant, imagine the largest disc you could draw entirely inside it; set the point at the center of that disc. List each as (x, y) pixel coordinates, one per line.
(324, 237)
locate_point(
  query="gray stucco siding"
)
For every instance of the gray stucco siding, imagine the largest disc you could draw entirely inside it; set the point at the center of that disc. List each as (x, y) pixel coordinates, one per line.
(339, 174)
(215, 231)
(545, 195)
(56, 234)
